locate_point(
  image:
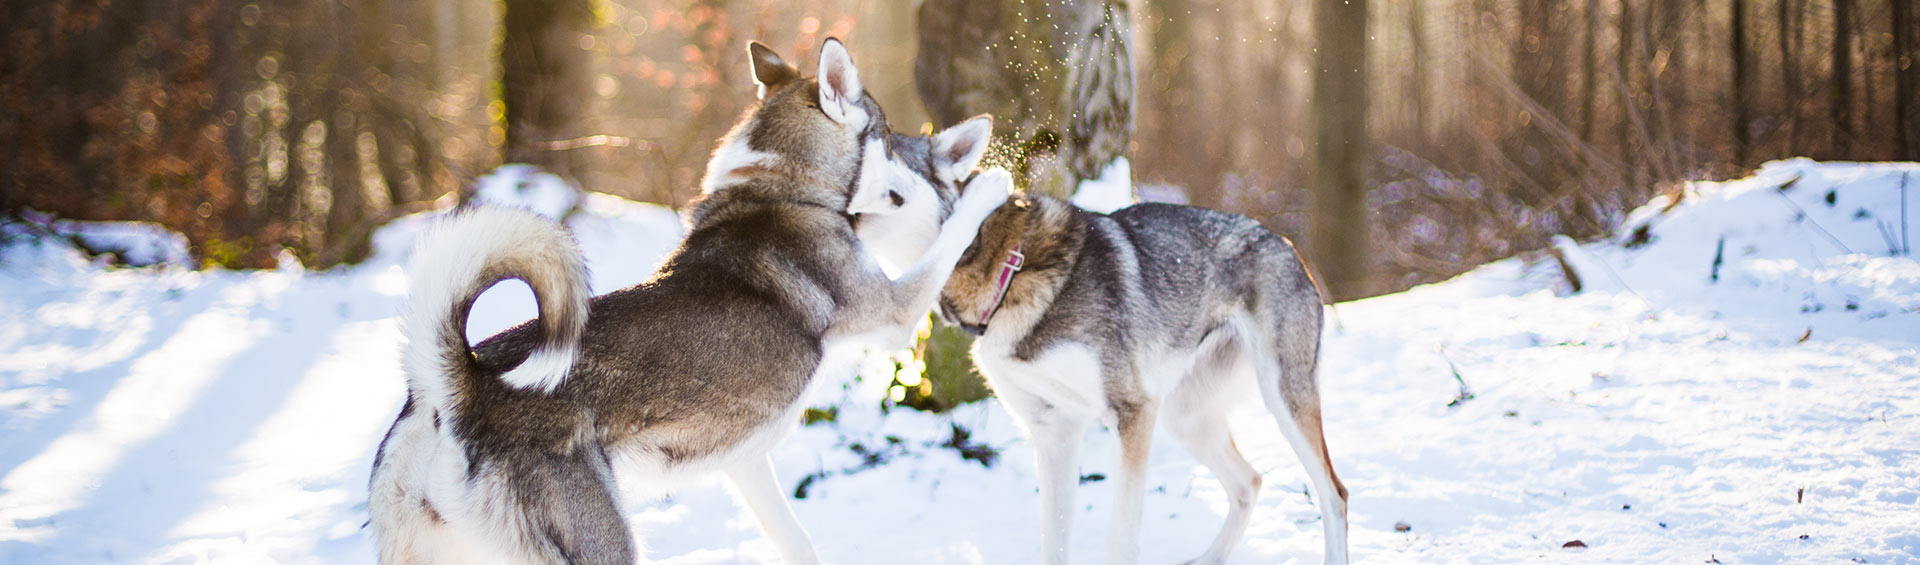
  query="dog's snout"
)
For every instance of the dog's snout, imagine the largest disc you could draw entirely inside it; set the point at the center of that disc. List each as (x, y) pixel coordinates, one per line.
(947, 316)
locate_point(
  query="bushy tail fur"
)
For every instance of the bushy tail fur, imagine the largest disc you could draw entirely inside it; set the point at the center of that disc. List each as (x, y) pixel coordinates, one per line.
(460, 257)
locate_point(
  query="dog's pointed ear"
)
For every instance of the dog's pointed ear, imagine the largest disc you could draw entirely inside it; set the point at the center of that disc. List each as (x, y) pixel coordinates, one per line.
(958, 150)
(840, 90)
(769, 70)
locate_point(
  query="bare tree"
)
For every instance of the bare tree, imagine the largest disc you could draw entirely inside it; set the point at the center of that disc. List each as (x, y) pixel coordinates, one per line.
(1340, 238)
(1742, 102)
(1591, 54)
(1869, 91)
(1663, 31)
(1416, 30)
(1906, 84)
(1538, 53)
(544, 80)
(1840, 83)
(1171, 59)
(1788, 36)
(1673, 18)
(1630, 117)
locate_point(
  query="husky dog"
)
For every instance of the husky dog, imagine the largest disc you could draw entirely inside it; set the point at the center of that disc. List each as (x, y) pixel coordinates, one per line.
(1154, 312)
(508, 450)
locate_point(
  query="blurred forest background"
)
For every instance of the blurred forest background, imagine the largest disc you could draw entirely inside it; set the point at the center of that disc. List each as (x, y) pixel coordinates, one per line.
(1485, 126)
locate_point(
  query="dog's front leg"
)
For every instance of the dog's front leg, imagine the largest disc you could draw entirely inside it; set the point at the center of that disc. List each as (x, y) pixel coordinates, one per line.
(1130, 489)
(761, 489)
(1056, 433)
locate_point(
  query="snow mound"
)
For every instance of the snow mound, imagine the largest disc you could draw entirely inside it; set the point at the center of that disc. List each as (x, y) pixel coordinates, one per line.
(1112, 190)
(125, 244)
(1736, 381)
(526, 186)
(1797, 244)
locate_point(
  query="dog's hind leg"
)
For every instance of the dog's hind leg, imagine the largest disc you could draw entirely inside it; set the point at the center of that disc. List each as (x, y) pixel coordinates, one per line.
(1197, 418)
(761, 489)
(577, 509)
(1290, 393)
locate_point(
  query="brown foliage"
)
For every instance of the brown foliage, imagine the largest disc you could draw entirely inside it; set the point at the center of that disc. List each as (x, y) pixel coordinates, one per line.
(247, 127)
(121, 115)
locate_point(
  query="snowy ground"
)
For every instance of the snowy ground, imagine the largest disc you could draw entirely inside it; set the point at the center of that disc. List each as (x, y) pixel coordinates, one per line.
(1771, 414)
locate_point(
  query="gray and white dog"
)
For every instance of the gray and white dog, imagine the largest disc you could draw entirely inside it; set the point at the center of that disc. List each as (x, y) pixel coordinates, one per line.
(1154, 313)
(508, 451)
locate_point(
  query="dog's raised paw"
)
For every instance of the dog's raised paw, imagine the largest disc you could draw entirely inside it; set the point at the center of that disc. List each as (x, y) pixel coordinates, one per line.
(987, 192)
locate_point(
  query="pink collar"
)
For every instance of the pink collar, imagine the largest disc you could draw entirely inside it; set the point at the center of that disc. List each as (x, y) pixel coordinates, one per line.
(1015, 260)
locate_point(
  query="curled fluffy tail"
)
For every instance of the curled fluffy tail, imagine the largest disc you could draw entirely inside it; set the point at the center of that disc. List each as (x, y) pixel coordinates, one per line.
(460, 257)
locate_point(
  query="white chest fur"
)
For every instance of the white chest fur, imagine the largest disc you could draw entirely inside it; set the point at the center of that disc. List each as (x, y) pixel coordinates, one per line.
(1066, 375)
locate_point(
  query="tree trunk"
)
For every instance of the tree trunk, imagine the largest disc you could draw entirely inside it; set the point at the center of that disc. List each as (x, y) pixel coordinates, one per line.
(1537, 56)
(1840, 83)
(1789, 73)
(1742, 103)
(1658, 36)
(347, 202)
(1181, 156)
(1629, 96)
(1591, 54)
(300, 198)
(1906, 83)
(1546, 146)
(1057, 77)
(1416, 30)
(544, 79)
(1674, 39)
(1340, 237)
(1869, 122)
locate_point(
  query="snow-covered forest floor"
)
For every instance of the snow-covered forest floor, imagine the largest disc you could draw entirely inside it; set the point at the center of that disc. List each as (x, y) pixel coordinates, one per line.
(1739, 380)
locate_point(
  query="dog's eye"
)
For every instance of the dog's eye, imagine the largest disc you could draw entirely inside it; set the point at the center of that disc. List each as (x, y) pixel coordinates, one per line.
(898, 200)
